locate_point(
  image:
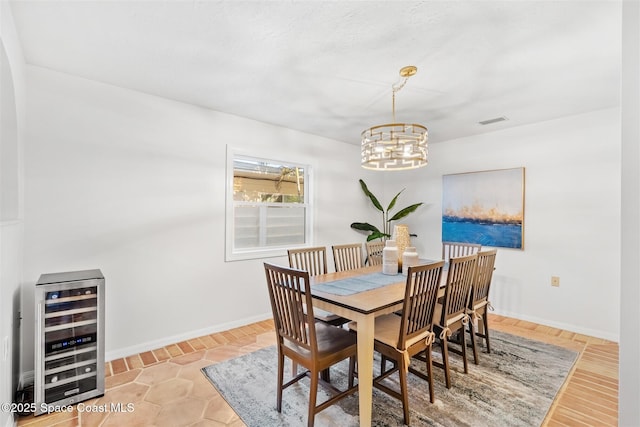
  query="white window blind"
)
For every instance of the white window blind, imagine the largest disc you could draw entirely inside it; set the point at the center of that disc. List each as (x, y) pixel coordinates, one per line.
(267, 207)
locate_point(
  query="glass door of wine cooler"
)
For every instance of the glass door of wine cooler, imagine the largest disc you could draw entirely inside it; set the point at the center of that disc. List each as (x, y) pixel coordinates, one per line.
(69, 339)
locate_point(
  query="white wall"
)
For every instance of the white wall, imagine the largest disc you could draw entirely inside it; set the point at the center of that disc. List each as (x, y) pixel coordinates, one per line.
(134, 185)
(630, 294)
(12, 124)
(572, 217)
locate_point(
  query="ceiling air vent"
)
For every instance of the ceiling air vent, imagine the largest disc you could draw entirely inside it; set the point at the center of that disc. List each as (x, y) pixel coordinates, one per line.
(490, 121)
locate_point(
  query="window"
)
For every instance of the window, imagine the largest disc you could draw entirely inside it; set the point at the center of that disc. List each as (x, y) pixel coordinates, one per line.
(267, 207)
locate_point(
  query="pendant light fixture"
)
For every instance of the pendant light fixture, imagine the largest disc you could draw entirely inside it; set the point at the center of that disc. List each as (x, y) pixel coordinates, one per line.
(395, 146)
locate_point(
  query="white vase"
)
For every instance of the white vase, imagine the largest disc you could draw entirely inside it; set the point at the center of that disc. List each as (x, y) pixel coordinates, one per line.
(409, 258)
(390, 258)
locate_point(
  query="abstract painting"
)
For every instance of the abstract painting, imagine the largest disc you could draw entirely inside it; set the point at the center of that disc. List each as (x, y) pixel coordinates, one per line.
(484, 207)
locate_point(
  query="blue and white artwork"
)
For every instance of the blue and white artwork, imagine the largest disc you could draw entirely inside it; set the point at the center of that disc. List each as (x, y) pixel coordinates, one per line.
(484, 207)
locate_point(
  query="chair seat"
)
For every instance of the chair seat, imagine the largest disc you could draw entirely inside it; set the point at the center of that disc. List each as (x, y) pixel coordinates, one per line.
(480, 304)
(331, 340)
(386, 331)
(450, 321)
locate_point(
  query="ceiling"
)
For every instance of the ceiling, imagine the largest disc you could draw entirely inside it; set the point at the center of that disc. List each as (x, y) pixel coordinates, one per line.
(327, 67)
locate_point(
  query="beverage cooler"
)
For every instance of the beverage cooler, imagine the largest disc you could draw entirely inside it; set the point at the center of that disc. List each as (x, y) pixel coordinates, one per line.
(69, 339)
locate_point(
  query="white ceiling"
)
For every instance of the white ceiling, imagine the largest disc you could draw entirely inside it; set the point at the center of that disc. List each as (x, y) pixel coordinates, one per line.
(327, 67)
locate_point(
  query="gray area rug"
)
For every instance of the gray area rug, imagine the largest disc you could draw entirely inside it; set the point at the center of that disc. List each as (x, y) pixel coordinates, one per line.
(513, 386)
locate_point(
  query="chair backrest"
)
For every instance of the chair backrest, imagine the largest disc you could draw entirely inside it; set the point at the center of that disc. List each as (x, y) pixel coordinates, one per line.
(484, 274)
(374, 252)
(421, 295)
(313, 260)
(460, 278)
(347, 257)
(458, 249)
(293, 321)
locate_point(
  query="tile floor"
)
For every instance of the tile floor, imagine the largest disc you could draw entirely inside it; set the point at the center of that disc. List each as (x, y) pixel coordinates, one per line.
(166, 388)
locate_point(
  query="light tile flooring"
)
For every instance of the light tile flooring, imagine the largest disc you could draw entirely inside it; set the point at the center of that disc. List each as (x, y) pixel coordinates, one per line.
(166, 388)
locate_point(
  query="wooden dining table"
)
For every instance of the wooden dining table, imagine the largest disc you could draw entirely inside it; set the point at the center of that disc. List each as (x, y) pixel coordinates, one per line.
(361, 307)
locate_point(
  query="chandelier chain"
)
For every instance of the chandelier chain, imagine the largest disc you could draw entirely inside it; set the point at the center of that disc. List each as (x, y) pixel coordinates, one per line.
(396, 88)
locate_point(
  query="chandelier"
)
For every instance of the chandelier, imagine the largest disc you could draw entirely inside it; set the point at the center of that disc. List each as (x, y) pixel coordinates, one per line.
(395, 146)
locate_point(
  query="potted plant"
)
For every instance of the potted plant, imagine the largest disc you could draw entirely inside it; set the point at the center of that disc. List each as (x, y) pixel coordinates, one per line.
(385, 233)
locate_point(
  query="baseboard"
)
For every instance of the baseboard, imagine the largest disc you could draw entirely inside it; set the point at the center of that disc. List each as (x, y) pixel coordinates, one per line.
(152, 345)
(559, 325)
(27, 378)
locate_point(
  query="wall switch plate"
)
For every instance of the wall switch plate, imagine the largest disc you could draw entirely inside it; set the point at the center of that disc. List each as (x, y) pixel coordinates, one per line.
(555, 281)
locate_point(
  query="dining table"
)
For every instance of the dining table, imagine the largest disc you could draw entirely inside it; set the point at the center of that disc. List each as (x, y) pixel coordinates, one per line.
(361, 295)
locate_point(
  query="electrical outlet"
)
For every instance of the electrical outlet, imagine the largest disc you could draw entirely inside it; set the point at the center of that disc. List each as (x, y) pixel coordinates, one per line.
(555, 281)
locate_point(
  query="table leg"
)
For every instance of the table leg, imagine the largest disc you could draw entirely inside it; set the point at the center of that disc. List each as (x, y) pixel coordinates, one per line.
(366, 326)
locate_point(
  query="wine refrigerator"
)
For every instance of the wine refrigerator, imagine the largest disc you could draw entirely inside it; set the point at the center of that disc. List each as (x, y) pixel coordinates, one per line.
(69, 339)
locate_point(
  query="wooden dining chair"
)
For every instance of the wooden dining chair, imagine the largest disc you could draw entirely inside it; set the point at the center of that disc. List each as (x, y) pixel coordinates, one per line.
(398, 338)
(374, 252)
(347, 257)
(314, 261)
(311, 344)
(479, 300)
(451, 315)
(458, 249)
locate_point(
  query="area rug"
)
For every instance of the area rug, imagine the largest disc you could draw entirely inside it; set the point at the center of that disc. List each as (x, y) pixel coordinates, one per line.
(513, 386)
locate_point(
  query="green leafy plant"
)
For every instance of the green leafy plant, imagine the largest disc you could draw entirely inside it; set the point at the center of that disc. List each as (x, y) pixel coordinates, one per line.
(374, 232)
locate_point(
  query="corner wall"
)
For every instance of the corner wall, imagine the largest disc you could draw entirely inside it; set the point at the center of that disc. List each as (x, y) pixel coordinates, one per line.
(572, 217)
(12, 125)
(629, 410)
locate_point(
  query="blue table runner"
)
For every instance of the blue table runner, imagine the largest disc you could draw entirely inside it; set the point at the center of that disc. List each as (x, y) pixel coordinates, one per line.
(353, 285)
(367, 282)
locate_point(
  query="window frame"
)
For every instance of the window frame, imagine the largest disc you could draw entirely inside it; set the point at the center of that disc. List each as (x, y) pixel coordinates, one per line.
(234, 254)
